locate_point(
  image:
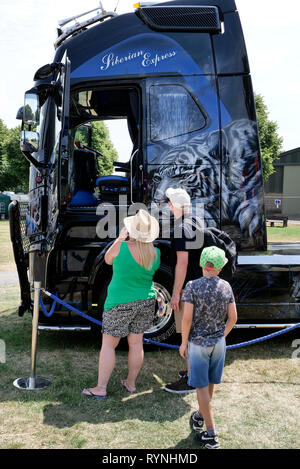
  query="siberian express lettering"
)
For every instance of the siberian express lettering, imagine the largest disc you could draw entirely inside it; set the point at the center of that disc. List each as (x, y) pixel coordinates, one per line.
(111, 60)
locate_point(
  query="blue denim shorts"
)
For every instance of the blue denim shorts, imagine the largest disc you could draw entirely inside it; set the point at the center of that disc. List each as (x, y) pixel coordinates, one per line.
(206, 363)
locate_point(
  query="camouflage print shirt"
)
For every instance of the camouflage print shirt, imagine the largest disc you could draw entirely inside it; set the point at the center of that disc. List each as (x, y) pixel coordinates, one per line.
(210, 297)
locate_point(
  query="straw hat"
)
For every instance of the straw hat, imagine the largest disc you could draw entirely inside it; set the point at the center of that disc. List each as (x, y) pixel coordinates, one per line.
(179, 197)
(142, 226)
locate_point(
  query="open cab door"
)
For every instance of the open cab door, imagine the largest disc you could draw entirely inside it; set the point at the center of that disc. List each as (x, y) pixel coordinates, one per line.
(58, 133)
(64, 141)
(44, 142)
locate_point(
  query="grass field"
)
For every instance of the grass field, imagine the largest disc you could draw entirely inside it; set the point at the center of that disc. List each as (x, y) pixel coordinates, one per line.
(290, 234)
(6, 252)
(256, 405)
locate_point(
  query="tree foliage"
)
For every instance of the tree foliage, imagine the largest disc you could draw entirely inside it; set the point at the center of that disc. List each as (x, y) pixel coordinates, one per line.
(3, 137)
(17, 167)
(100, 142)
(270, 141)
(14, 168)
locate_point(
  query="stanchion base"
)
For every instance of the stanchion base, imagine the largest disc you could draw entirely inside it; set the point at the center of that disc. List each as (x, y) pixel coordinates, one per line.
(31, 384)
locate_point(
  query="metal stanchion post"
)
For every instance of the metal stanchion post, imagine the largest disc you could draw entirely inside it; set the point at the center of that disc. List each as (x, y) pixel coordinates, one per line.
(33, 382)
(35, 320)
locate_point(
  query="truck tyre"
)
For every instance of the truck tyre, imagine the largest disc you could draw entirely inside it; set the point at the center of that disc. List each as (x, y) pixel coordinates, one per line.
(164, 327)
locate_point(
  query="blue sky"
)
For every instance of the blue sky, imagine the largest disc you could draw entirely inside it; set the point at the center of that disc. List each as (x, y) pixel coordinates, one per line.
(271, 30)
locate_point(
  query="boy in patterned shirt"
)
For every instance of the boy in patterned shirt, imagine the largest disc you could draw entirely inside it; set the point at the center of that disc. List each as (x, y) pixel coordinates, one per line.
(207, 302)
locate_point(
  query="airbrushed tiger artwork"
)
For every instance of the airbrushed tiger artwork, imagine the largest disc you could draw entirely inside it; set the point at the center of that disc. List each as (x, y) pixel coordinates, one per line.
(228, 182)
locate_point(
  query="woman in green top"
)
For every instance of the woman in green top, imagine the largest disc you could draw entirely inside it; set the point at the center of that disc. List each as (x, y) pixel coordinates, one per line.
(129, 308)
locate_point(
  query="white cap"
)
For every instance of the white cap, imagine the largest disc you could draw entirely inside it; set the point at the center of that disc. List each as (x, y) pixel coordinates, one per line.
(179, 197)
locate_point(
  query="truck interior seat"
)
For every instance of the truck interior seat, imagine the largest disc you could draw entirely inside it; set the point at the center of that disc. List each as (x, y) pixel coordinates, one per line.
(84, 178)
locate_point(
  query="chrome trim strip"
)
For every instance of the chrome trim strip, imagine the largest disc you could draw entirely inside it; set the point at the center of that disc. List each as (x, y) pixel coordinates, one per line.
(63, 328)
(275, 259)
(265, 304)
(254, 326)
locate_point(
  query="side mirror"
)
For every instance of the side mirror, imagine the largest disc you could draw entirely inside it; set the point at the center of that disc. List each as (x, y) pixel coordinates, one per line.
(29, 141)
(30, 115)
(31, 110)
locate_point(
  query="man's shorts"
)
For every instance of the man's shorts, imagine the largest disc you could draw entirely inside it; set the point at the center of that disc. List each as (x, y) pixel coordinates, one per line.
(129, 318)
(206, 363)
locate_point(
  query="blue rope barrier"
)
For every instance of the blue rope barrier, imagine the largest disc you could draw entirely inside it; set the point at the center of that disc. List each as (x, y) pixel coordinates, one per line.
(71, 308)
(45, 312)
(149, 341)
(261, 339)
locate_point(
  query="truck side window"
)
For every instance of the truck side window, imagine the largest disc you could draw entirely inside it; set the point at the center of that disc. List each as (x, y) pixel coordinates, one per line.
(173, 112)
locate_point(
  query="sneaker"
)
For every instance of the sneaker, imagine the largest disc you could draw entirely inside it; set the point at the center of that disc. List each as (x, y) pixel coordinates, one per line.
(182, 374)
(196, 421)
(206, 441)
(180, 387)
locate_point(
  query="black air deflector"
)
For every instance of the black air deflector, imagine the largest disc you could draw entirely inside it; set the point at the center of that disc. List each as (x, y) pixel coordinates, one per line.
(181, 18)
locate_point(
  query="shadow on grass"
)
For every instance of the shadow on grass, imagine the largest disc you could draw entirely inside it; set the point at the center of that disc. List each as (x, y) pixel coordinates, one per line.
(188, 442)
(70, 361)
(148, 405)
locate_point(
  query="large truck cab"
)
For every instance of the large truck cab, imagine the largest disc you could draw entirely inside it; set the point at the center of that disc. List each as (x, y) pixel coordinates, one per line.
(178, 74)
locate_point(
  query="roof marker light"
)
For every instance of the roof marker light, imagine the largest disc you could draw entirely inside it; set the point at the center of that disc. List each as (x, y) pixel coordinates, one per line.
(146, 3)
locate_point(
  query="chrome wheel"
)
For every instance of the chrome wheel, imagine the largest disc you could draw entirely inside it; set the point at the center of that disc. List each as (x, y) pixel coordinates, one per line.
(164, 322)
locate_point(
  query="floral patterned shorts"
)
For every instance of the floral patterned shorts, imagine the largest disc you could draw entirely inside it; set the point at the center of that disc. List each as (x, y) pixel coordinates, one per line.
(129, 318)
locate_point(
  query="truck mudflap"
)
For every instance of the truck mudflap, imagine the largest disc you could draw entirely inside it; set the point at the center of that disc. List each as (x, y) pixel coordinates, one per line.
(18, 239)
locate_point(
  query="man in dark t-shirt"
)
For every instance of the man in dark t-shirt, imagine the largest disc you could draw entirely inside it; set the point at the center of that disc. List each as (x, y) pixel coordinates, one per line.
(193, 239)
(184, 259)
(185, 266)
(190, 237)
(188, 241)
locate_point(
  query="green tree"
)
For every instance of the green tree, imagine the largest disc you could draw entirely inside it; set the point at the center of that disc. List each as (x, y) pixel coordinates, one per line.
(15, 167)
(270, 141)
(3, 137)
(101, 142)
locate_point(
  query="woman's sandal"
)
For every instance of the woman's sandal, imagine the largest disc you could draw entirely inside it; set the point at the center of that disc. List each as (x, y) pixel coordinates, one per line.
(123, 384)
(94, 396)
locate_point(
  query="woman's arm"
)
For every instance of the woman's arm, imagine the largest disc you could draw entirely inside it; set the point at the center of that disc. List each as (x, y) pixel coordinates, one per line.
(114, 249)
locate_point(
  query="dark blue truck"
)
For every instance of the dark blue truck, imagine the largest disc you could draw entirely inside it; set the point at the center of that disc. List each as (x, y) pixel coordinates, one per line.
(178, 73)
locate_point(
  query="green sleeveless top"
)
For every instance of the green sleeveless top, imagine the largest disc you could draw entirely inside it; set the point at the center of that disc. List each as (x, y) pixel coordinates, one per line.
(130, 280)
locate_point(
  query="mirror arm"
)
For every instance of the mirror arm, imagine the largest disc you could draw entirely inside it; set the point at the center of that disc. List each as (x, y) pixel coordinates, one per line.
(37, 164)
